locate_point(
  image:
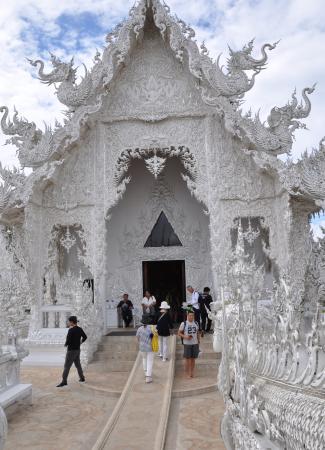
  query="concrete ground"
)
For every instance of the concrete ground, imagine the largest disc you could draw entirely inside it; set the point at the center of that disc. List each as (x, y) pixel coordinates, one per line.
(194, 423)
(59, 419)
(73, 417)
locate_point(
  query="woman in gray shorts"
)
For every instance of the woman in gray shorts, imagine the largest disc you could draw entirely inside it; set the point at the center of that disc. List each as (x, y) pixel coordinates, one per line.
(189, 332)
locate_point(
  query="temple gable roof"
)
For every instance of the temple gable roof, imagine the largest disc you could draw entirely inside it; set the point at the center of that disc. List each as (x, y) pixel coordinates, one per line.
(220, 89)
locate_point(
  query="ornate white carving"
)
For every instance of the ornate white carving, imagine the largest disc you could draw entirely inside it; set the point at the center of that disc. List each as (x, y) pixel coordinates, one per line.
(282, 122)
(265, 345)
(67, 241)
(235, 82)
(3, 428)
(34, 146)
(68, 92)
(155, 163)
(14, 300)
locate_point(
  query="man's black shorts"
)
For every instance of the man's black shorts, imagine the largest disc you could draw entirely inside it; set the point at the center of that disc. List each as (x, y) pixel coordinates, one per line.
(191, 351)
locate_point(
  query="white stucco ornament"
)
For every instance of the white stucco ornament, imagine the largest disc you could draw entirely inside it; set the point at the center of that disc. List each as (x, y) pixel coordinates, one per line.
(3, 429)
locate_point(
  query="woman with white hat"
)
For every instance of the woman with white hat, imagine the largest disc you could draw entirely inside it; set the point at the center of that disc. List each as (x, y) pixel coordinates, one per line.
(164, 325)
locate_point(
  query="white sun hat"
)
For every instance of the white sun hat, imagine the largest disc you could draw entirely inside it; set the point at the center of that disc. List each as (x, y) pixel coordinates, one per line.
(164, 305)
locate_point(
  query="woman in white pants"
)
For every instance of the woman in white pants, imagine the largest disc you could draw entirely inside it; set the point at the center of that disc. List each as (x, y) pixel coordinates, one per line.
(164, 325)
(144, 336)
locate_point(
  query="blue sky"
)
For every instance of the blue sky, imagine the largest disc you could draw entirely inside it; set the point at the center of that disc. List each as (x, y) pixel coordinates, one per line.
(32, 28)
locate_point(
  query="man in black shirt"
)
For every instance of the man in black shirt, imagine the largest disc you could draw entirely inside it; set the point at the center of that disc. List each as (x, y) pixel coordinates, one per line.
(75, 337)
(206, 300)
(126, 309)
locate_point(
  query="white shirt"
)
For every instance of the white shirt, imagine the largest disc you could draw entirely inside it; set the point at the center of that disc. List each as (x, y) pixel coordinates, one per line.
(190, 329)
(194, 300)
(147, 302)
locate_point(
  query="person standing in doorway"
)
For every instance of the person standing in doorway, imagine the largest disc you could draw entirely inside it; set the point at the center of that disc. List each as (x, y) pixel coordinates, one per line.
(194, 304)
(189, 332)
(148, 304)
(145, 334)
(75, 337)
(207, 299)
(126, 310)
(164, 325)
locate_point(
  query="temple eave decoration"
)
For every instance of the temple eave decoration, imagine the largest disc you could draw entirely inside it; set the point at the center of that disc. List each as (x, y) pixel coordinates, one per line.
(222, 90)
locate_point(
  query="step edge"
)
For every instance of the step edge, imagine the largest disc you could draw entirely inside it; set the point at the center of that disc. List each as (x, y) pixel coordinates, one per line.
(110, 392)
(181, 393)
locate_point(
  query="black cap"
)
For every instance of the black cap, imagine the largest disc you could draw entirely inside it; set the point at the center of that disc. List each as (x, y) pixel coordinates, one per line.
(72, 319)
(146, 320)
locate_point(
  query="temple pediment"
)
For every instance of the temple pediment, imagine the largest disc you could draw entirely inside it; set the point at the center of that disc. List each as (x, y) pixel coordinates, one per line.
(153, 85)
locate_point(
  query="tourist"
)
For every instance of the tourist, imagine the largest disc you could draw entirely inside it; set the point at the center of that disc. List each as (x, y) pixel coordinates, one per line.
(148, 304)
(126, 310)
(164, 325)
(194, 304)
(145, 335)
(205, 304)
(189, 332)
(75, 337)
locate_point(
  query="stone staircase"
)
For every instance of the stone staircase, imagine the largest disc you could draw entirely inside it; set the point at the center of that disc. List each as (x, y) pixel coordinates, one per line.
(141, 407)
(206, 370)
(116, 353)
(119, 374)
(197, 407)
(112, 364)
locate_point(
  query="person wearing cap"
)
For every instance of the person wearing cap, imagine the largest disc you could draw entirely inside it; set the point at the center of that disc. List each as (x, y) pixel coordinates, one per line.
(144, 335)
(164, 325)
(75, 337)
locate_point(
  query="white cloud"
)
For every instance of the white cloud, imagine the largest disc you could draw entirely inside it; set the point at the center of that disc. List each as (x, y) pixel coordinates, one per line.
(316, 229)
(297, 62)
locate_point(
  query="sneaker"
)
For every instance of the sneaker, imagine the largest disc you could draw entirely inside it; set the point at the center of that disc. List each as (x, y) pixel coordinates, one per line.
(159, 356)
(62, 384)
(82, 380)
(148, 379)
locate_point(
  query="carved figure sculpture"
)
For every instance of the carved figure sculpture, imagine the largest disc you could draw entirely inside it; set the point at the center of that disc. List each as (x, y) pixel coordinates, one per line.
(33, 146)
(68, 92)
(277, 136)
(235, 82)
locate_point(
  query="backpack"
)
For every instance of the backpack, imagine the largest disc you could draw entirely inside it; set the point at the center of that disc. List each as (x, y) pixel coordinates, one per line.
(201, 302)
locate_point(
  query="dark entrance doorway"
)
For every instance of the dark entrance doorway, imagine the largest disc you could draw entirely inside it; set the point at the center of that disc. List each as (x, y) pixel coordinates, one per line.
(166, 281)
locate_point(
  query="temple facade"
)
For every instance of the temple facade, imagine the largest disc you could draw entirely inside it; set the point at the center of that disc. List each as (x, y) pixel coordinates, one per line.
(157, 180)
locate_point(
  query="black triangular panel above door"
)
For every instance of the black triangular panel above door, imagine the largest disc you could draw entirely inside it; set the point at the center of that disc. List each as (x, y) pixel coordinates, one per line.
(162, 234)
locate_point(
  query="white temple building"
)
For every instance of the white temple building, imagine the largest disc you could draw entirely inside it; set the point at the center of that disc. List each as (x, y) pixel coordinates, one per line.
(157, 180)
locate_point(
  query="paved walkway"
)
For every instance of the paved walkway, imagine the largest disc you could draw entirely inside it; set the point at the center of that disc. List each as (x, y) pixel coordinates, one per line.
(95, 416)
(194, 423)
(59, 419)
(140, 419)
